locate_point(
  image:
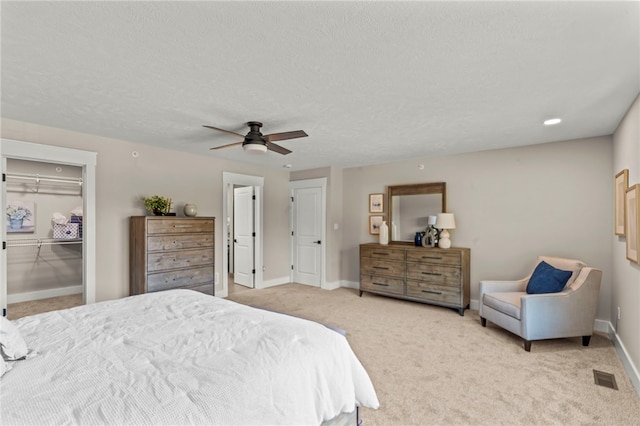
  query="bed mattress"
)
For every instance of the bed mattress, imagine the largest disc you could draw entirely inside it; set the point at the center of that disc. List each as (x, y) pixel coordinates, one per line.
(180, 357)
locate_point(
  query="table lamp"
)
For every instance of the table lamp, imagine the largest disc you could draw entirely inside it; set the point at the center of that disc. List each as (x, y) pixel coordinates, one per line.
(445, 221)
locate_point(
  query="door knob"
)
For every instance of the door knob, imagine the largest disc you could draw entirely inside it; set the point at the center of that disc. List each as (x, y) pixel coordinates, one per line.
(318, 242)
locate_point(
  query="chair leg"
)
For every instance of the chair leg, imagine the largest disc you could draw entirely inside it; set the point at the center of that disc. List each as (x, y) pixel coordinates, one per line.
(586, 340)
(527, 345)
(483, 321)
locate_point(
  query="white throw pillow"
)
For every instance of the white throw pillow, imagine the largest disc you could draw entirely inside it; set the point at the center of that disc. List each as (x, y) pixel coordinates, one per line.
(12, 345)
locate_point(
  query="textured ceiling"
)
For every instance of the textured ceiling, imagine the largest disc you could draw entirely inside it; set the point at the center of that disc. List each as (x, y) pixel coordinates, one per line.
(370, 82)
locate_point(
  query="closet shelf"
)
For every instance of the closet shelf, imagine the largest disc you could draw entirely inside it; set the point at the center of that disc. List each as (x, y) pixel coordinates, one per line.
(23, 179)
(39, 242)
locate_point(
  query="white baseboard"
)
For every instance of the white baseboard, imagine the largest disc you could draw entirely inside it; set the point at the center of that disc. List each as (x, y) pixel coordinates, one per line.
(627, 362)
(350, 284)
(331, 286)
(43, 294)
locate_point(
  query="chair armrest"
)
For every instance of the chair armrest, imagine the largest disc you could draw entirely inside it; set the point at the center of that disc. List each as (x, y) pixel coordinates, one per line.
(488, 286)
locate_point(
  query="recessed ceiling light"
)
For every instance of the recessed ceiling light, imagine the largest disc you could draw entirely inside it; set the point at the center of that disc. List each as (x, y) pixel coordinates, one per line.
(552, 121)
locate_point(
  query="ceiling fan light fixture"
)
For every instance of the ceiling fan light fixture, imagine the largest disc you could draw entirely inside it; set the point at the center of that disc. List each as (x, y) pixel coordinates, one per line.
(254, 148)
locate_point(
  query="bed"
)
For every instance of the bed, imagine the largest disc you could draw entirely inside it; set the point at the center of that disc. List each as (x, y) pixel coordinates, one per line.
(179, 357)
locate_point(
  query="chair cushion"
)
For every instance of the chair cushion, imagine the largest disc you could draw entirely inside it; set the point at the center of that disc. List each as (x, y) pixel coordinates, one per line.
(508, 303)
(547, 279)
(572, 265)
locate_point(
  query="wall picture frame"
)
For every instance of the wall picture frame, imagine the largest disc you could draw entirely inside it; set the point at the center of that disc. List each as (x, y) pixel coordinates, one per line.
(376, 203)
(632, 208)
(620, 189)
(21, 216)
(375, 221)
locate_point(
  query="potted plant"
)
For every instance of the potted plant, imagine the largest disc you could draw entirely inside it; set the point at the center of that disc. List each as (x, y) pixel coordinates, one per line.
(157, 205)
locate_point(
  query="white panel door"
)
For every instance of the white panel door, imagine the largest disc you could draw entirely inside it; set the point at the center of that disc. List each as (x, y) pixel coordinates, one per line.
(243, 229)
(307, 235)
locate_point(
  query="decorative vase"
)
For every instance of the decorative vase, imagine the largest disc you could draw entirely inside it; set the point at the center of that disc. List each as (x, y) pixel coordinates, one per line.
(190, 210)
(384, 233)
(418, 239)
(158, 212)
(15, 223)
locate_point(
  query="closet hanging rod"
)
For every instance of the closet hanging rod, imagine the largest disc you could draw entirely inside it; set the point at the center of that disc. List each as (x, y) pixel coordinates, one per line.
(41, 178)
(39, 242)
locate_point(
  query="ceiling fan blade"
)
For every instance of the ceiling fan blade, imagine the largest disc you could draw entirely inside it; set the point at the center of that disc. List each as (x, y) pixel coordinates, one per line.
(277, 148)
(228, 145)
(223, 130)
(285, 135)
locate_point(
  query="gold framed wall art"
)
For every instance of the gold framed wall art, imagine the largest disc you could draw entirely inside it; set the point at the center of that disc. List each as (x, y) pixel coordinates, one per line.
(632, 208)
(620, 189)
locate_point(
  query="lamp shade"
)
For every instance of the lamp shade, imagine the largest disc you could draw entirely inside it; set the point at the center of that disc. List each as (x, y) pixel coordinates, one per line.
(431, 220)
(255, 148)
(445, 221)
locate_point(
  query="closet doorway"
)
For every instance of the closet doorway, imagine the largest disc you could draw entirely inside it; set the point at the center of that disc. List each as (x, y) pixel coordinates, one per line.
(231, 181)
(48, 231)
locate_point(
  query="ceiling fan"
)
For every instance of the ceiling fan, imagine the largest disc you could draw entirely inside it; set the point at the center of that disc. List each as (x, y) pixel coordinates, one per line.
(256, 142)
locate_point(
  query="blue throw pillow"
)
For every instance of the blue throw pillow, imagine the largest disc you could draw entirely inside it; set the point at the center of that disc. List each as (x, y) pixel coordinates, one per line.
(547, 279)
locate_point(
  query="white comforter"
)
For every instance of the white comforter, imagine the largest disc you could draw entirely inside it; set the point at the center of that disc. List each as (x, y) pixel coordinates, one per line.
(180, 357)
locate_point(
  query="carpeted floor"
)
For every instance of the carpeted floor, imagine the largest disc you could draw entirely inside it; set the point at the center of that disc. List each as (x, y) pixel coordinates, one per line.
(431, 366)
(23, 309)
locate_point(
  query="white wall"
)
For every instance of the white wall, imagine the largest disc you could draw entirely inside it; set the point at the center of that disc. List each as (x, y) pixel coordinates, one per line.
(511, 205)
(122, 180)
(626, 274)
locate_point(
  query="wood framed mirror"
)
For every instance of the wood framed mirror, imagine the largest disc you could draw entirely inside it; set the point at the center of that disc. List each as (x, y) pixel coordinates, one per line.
(409, 207)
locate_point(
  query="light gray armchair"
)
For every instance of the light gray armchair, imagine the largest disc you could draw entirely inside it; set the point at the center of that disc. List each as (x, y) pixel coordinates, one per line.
(568, 313)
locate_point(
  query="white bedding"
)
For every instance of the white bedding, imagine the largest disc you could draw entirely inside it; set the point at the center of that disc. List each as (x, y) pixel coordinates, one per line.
(180, 357)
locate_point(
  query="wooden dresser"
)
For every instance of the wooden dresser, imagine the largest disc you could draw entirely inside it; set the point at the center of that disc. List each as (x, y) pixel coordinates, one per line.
(421, 274)
(171, 252)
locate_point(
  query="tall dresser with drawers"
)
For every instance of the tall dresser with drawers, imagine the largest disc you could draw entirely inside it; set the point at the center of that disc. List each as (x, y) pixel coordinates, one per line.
(421, 274)
(168, 252)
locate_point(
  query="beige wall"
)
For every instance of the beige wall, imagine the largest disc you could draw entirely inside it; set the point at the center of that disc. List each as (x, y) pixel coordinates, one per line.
(122, 180)
(626, 274)
(511, 205)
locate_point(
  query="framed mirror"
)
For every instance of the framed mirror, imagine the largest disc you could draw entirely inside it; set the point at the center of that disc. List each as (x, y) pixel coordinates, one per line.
(411, 205)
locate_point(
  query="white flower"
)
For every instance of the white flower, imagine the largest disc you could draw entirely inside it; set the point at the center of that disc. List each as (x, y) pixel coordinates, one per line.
(18, 213)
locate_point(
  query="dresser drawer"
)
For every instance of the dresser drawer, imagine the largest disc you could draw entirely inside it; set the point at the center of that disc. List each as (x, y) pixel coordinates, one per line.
(434, 256)
(382, 284)
(433, 292)
(381, 267)
(443, 275)
(181, 278)
(382, 253)
(179, 259)
(177, 242)
(179, 226)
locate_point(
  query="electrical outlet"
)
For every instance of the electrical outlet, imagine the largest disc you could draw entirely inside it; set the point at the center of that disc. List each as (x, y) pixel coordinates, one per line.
(618, 312)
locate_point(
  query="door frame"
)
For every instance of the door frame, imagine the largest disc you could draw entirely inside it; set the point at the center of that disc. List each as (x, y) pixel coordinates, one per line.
(311, 183)
(228, 180)
(10, 148)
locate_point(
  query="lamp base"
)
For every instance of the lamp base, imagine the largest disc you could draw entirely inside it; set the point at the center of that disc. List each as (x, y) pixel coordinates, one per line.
(444, 241)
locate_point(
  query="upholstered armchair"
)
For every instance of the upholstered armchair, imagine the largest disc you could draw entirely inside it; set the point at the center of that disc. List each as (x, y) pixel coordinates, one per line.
(569, 312)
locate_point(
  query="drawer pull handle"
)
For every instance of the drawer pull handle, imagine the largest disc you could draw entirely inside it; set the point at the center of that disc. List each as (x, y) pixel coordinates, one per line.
(432, 257)
(431, 273)
(431, 292)
(382, 254)
(380, 267)
(381, 284)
